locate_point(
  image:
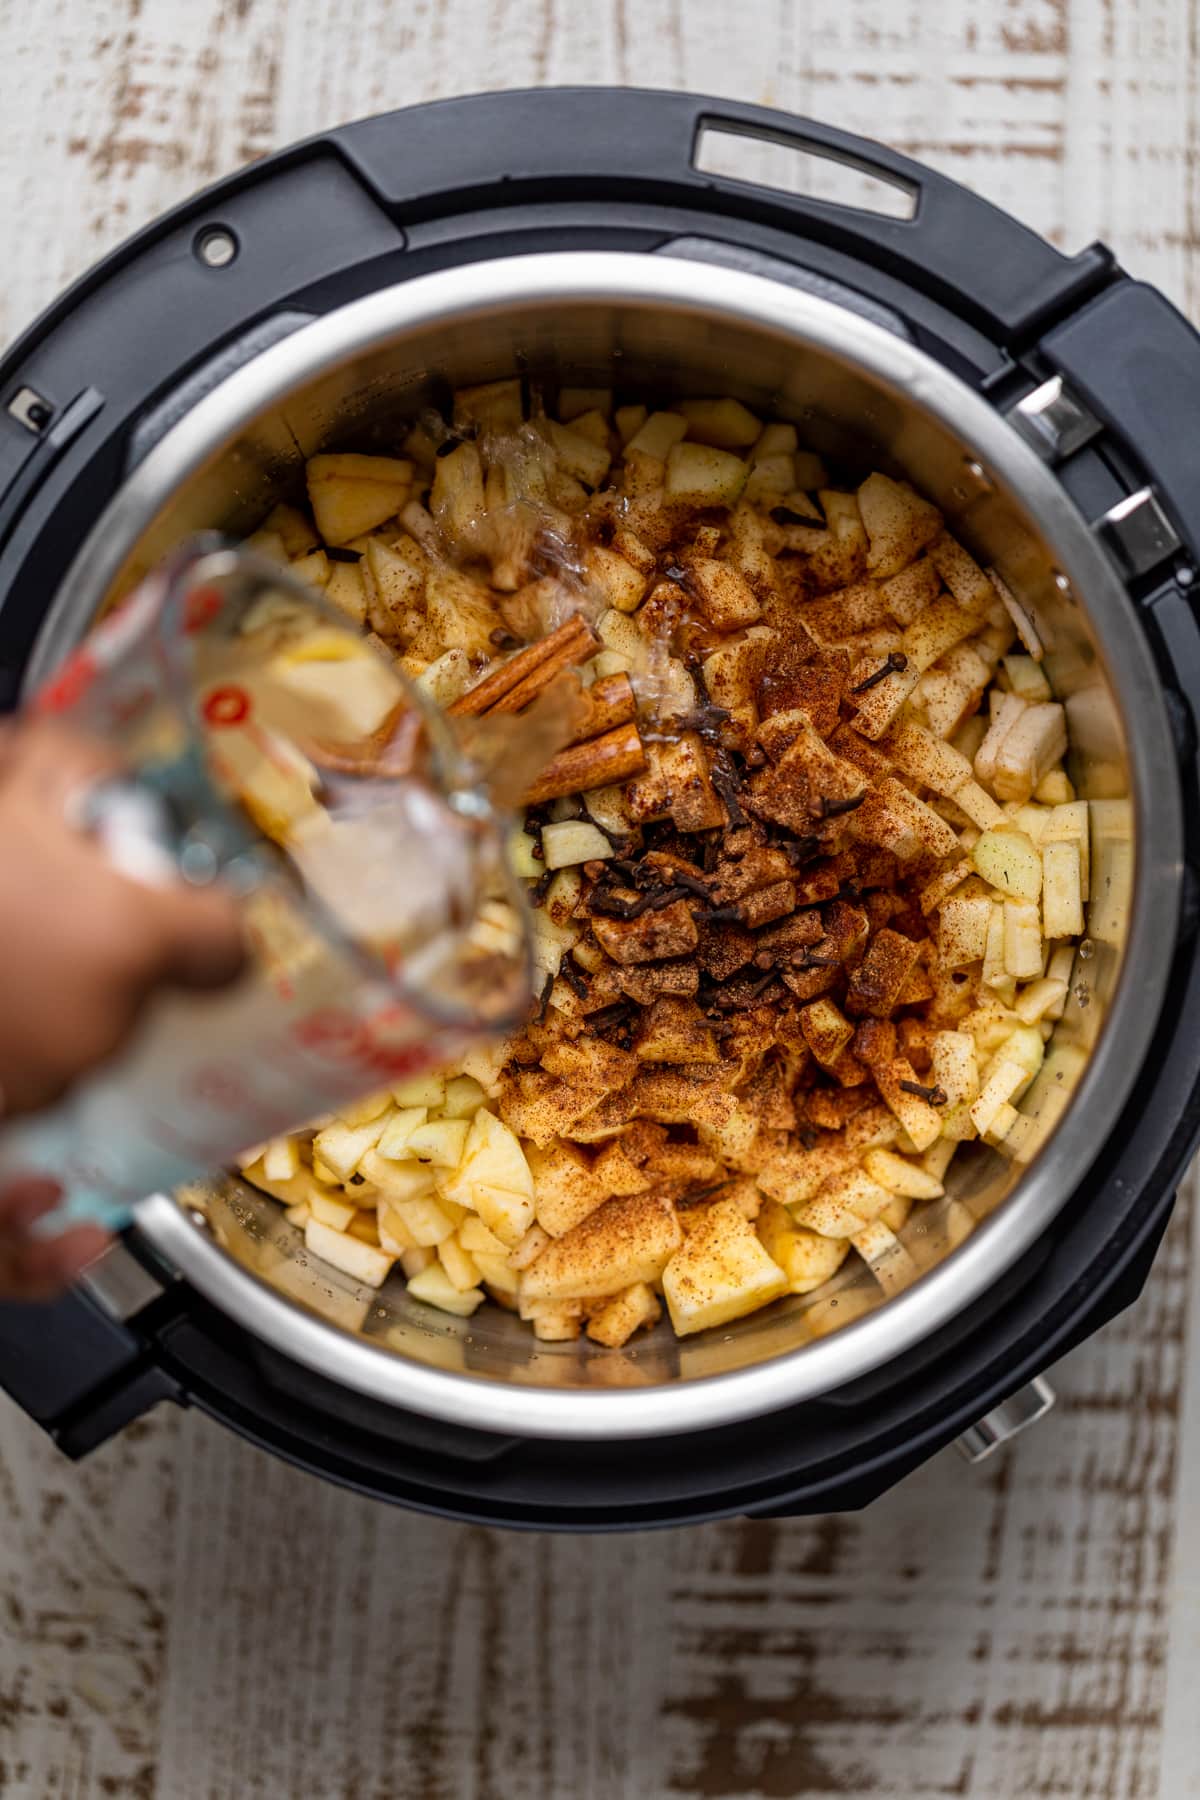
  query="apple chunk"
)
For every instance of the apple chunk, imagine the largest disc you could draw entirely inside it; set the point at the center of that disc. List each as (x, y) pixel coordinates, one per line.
(721, 1272)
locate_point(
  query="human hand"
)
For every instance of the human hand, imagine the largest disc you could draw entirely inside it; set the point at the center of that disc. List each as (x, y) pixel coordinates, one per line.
(82, 948)
(38, 1268)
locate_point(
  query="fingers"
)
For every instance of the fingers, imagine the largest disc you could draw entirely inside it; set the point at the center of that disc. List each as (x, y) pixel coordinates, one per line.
(44, 1268)
(202, 944)
(24, 1200)
(51, 762)
(34, 1268)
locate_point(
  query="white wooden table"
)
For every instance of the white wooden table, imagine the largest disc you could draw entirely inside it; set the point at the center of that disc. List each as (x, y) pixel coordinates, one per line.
(184, 1618)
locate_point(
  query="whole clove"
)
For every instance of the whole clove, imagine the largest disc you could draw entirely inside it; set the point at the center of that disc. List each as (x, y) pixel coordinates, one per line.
(894, 663)
(574, 978)
(787, 515)
(340, 553)
(935, 1096)
(833, 809)
(692, 885)
(726, 785)
(616, 1014)
(726, 915)
(503, 640)
(612, 906)
(657, 902)
(759, 987)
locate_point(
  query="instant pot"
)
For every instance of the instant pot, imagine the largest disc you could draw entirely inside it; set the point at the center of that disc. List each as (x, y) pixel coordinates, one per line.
(1049, 404)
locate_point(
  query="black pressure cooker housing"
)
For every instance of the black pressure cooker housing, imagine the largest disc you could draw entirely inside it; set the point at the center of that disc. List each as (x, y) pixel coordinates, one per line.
(128, 350)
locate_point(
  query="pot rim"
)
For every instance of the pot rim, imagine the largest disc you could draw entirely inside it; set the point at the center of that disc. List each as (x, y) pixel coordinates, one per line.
(564, 279)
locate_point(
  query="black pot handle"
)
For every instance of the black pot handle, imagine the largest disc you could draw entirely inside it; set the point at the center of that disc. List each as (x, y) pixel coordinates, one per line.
(611, 143)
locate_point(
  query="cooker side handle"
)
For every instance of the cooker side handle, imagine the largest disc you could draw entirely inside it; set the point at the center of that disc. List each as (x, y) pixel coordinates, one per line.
(543, 144)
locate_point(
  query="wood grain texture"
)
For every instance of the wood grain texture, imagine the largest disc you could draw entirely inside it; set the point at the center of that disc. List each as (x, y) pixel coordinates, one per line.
(186, 1618)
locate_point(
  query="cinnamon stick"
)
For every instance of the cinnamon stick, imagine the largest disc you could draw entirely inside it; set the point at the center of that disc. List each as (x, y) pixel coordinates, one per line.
(523, 677)
(612, 757)
(609, 701)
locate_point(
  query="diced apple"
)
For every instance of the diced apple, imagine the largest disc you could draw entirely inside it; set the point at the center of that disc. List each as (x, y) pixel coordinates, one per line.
(336, 1214)
(1005, 1079)
(726, 423)
(614, 1323)
(574, 841)
(770, 479)
(439, 1141)
(342, 1147)
(492, 1154)
(891, 1264)
(1042, 999)
(721, 1272)
(351, 494)
(629, 421)
(898, 523)
(362, 1262)
(579, 453)
(963, 921)
(459, 1264)
(420, 1090)
(1007, 710)
(1027, 678)
(657, 435)
(618, 632)
(314, 569)
(900, 1176)
(428, 1223)
(464, 1097)
(1024, 951)
(936, 629)
(492, 405)
(826, 1030)
(447, 677)
(1036, 741)
(281, 1158)
(921, 1120)
(703, 476)
(394, 1144)
(844, 1202)
(627, 1240)
(1054, 789)
(475, 1236)
(394, 1235)
(435, 1288)
(620, 585)
(806, 1258)
(962, 575)
(1009, 862)
(1062, 901)
(1069, 824)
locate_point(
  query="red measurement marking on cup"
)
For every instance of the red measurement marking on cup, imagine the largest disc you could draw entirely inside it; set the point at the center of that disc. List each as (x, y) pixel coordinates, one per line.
(226, 706)
(69, 686)
(344, 1039)
(219, 1086)
(201, 608)
(125, 708)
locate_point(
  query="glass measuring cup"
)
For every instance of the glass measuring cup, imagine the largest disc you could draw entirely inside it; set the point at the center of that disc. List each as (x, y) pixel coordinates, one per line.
(266, 743)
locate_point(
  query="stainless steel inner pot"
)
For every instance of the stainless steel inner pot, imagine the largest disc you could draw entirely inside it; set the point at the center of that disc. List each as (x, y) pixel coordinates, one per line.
(867, 398)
